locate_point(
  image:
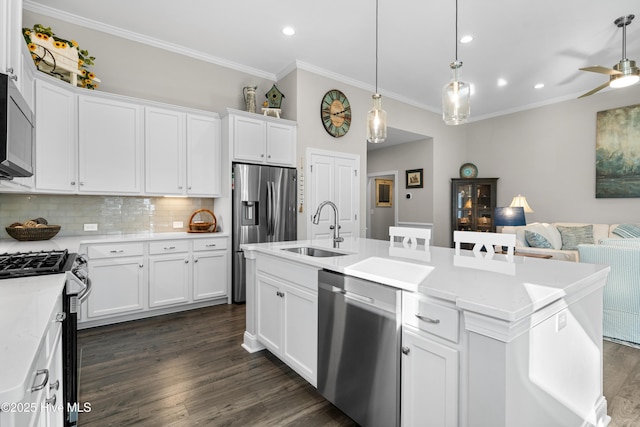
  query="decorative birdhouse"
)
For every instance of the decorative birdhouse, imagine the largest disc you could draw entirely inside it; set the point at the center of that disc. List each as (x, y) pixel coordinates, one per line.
(274, 97)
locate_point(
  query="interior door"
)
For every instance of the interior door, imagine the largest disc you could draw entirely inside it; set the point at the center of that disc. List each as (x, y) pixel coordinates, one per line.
(333, 176)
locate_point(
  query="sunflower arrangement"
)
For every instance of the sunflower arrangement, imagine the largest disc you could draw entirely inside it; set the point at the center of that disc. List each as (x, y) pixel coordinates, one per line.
(43, 44)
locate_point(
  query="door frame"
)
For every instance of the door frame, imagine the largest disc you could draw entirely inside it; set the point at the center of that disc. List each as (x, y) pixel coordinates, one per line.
(371, 194)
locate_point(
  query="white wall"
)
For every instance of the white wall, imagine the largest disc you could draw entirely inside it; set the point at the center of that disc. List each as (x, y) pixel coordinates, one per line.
(548, 155)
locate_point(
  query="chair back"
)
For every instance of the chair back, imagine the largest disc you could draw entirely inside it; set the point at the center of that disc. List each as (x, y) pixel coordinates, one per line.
(485, 240)
(409, 236)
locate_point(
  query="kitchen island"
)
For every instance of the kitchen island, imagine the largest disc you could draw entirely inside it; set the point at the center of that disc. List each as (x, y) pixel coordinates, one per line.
(517, 342)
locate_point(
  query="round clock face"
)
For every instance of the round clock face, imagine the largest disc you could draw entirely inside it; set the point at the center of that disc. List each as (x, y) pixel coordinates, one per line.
(335, 112)
(468, 170)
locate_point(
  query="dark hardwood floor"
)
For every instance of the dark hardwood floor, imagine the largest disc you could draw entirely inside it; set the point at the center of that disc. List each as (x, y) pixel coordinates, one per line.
(188, 369)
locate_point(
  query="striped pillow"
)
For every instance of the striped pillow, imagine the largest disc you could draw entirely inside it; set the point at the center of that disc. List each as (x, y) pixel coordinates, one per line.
(628, 231)
(574, 236)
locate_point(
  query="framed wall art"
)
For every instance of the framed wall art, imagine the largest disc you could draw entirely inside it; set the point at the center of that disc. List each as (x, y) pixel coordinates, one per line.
(618, 152)
(384, 192)
(414, 178)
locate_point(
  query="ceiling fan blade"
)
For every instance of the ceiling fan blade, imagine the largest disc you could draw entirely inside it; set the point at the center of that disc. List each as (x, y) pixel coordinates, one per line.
(592, 91)
(600, 69)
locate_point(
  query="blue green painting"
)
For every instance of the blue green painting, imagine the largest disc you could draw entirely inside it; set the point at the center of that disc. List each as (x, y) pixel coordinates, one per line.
(618, 152)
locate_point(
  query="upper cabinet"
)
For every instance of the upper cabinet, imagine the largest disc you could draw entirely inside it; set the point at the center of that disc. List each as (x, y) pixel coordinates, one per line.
(262, 139)
(56, 148)
(182, 153)
(95, 143)
(110, 141)
(11, 41)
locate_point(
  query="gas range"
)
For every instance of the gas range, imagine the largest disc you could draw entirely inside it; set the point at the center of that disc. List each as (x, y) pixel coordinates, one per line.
(23, 264)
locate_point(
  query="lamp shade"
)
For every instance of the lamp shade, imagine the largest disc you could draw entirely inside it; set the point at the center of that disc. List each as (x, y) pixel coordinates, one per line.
(522, 202)
(509, 216)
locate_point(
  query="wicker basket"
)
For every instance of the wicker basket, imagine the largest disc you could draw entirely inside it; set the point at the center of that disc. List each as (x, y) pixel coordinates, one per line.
(25, 234)
(202, 226)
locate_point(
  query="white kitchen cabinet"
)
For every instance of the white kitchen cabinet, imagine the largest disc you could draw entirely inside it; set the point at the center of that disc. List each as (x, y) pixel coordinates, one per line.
(287, 314)
(168, 273)
(210, 268)
(11, 40)
(262, 139)
(118, 280)
(430, 363)
(182, 153)
(110, 140)
(204, 156)
(56, 148)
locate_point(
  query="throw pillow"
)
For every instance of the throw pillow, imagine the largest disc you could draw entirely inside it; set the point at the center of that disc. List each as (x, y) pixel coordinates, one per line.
(536, 240)
(628, 231)
(574, 236)
(553, 236)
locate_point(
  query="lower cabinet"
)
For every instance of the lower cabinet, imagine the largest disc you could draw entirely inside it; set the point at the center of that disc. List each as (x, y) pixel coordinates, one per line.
(133, 279)
(287, 314)
(430, 363)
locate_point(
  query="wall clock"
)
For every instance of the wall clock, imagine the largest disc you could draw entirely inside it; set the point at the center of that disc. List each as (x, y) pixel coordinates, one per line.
(335, 112)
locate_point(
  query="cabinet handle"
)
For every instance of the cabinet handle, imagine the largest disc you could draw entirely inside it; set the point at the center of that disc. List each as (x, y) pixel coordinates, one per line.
(81, 183)
(195, 260)
(186, 261)
(210, 245)
(141, 265)
(405, 350)
(269, 156)
(44, 382)
(10, 70)
(280, 294)
(166, 248)
(428, 320)
(73, 183)
(189, 188)
(117, 251)
(261, 155)
(54, 386)
(60, 317)
(51, 401)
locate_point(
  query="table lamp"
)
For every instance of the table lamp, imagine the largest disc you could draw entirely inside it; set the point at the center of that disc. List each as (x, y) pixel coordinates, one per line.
(504, 216)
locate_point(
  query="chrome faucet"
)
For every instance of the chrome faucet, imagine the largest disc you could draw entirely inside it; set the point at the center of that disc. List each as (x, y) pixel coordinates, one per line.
(336, 225)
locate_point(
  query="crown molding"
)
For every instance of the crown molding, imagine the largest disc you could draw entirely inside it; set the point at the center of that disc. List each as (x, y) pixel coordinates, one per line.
(140, 38)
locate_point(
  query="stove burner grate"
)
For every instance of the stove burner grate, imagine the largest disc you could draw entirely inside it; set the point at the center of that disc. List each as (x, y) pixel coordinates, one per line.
(22, 264)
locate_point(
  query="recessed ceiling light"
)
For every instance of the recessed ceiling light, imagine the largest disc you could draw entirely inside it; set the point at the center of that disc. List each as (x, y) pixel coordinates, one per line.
(466, 39)
(288, 31)
(539, 86)
(502, 82)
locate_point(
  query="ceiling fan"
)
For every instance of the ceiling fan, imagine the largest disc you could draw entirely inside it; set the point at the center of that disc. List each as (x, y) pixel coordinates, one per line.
(624, 73)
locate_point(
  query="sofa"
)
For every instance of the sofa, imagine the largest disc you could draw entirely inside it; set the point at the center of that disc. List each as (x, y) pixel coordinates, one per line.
(621, 296)
(560, 240)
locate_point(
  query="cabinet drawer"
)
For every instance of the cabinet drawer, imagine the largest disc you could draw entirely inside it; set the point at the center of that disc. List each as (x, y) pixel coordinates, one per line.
(295, 273)
(434, 318)
(168, 247)
(116, 250)
(210, 244)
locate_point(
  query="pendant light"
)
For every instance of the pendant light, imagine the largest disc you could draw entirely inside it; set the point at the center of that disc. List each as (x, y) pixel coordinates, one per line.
(456, 94)
(376, 117)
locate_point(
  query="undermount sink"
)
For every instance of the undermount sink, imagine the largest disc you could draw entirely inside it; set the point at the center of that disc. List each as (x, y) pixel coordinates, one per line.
(314, 252)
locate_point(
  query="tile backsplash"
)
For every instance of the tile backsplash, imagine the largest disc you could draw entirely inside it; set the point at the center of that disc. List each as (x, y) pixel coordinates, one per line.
(113, 214)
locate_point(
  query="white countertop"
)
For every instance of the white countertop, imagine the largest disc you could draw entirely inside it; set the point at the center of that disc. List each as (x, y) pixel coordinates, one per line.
(26, 305)
(72, 243)
(505, 288)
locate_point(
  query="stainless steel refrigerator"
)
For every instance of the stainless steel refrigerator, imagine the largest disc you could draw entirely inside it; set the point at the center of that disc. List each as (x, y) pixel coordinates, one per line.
(264, 210)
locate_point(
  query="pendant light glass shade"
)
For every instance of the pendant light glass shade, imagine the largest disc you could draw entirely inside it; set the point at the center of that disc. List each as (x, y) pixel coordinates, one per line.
(376, 121)
(456, 98)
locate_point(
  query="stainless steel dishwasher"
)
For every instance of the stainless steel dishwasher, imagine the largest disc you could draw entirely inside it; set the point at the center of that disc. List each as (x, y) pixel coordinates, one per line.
(359, 333)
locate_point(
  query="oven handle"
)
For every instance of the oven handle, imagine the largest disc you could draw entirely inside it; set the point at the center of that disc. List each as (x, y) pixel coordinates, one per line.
(85, 291)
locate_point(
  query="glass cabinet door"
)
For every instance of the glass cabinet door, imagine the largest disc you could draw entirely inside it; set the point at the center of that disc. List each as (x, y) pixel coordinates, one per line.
(472, 204)
(464, 206)
(484, 207)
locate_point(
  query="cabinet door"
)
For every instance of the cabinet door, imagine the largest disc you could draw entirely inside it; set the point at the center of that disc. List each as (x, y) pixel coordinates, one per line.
(204, 159)
(168, 280)
(11, 39)
(248, 139)
(56, 148)
(164, 152)
(210, 274)
(117, 286)
(53, 415)
(269, 313)
(281, 144)
(429, 382)
(110, 146)
(301, 331)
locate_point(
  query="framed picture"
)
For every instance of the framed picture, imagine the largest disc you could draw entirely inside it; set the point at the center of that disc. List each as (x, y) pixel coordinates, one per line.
(384, 193)
(414, 178)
